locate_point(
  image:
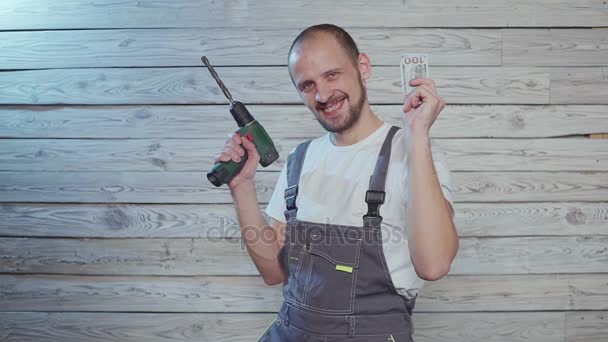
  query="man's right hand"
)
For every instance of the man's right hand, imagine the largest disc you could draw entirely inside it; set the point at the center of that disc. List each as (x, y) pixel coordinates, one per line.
(234, 149)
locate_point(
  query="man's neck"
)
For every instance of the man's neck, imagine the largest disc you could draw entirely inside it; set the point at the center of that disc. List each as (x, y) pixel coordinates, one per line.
(368, 123)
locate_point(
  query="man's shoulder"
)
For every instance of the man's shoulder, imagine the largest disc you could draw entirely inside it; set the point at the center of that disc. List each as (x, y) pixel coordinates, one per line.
(314, 144)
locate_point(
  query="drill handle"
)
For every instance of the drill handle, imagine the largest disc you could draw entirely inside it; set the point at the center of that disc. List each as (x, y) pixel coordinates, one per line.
(223, 172)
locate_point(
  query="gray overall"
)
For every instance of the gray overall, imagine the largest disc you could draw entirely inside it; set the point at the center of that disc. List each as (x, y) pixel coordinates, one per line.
(338, 286)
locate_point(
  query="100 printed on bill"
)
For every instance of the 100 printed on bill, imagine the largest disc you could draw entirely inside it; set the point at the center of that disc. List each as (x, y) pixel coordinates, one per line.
(413, 66)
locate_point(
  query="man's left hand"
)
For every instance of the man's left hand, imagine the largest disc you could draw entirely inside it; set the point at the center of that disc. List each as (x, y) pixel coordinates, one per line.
(421, 106)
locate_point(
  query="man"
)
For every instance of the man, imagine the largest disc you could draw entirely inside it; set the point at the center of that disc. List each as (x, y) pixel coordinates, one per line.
(350, 271)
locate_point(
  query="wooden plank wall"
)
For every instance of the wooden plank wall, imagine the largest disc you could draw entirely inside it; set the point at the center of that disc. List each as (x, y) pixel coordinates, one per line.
(109, 230)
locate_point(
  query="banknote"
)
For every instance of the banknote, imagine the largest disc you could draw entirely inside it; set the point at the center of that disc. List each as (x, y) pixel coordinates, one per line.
(413, 65)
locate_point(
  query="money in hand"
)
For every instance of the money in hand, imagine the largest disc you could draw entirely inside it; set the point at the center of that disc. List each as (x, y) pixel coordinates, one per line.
(413, 66)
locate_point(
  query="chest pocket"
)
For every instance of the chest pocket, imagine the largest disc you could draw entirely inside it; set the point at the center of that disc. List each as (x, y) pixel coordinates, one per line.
(324, 273)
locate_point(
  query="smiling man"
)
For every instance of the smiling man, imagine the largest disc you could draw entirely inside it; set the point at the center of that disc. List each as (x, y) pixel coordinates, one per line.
(328, 80)
(361, 216)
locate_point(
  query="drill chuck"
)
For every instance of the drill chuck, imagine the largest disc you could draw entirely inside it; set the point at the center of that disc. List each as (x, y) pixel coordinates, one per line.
(240, 114)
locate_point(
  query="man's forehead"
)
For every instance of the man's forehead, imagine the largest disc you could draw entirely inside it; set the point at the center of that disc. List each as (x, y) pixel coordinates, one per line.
(326, 42)
(312, 41)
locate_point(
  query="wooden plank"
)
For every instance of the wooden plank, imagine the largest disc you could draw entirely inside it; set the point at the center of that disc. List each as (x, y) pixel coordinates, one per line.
(138, 294)
(194, 154)
(120, 220)
(525, 154)
(184, 47)
(126, 327)
(420, 13)
(458, 85)
(215, 256)
(142, 187)
(500, 293)
(175, 257)
(529, 187)
(515, 293)
(495, 327)
(464, 85)
(511, 219)
(586, 326)
(555, 47)
(531, 255)
(193, 187)
(219, 220)
(584, 85)
(133, 327)
(29, 14)
(73, 14)
(208, 121)
(505, 121)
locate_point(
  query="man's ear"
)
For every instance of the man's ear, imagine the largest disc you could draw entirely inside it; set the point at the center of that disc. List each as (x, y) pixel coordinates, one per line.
(365, 66)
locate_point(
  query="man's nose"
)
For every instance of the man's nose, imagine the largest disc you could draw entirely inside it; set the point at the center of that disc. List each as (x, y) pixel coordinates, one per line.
(324, 92)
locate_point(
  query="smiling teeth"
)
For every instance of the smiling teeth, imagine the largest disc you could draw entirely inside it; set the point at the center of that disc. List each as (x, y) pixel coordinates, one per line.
(333, 107)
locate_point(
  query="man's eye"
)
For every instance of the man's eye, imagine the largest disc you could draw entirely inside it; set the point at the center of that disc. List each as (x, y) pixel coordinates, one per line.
(306, 85)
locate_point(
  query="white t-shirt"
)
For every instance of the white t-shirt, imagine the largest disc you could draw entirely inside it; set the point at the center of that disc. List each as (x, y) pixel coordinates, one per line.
(332, 190)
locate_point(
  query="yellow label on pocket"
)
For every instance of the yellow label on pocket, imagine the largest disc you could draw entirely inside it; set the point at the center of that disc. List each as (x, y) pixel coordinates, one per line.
(344, 268)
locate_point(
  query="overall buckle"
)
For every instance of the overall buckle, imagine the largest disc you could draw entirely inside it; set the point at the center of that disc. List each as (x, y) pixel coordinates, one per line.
(374, 199)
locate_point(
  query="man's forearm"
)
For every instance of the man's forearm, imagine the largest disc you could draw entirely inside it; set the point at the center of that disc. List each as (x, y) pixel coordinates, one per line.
(433, 241)
(259, 237)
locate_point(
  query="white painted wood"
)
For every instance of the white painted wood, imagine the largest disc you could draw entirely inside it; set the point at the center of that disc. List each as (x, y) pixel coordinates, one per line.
(219, 220)
(255, 85)
(584, 85)
(184, 47)
(586, 326)
(95, 195)
(199, 154)
(193, 187)
(29, 14)
(435, 327)
(214, 256)
(232, 294)
(555, 47)
(210, 121)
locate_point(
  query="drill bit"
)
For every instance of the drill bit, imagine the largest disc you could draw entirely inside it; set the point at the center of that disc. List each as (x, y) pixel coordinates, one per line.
(217, 79)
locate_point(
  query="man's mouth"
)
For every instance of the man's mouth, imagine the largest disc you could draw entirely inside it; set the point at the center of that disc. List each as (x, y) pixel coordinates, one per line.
(333, 107)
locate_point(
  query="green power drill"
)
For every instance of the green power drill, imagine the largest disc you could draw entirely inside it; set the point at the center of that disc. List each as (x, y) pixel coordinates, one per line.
(223, 172)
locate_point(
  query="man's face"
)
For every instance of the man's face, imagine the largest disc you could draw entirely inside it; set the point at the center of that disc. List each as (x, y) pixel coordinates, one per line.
(328, 82)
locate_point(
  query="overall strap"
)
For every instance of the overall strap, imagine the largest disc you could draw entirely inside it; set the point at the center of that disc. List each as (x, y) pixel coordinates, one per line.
(294, 169)
(374, 197)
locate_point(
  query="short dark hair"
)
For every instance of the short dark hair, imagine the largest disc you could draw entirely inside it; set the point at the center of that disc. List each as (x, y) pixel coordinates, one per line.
(343, 38)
